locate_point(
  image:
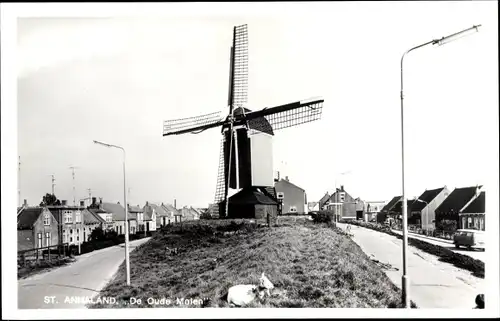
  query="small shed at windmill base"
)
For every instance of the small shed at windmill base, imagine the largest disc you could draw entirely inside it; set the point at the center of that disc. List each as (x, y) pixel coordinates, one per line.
(252, 202)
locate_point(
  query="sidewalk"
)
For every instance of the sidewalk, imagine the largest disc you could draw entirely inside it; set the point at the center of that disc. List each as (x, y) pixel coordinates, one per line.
(420, 236)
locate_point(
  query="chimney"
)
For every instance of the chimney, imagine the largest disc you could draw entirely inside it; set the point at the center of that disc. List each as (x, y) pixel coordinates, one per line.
(147, 203)
(100, 200)
(63, 202)
(286, 178)
(93, 200)
(175, 203)
(82, 203)
(342, 188)
(25, 203)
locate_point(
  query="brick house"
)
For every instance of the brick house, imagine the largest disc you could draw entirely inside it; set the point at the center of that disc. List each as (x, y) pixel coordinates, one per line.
(322, 202)
(455, 203)
(472, 216)
(342, 204)
(70, 222)
(37, 227)
(294, 197)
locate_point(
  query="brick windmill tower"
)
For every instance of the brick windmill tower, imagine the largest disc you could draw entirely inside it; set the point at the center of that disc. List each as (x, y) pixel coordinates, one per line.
(245, 183)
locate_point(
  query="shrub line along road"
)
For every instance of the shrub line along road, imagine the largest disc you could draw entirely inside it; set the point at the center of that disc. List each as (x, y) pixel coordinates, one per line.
(80, 279)
(433, 284)
(448, 244)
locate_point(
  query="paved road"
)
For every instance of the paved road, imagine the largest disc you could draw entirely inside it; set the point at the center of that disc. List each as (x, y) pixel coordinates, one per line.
(81, 279)
(473, 253)
(433, 284)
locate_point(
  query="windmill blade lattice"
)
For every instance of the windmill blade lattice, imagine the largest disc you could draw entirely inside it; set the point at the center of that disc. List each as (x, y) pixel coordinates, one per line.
(186, 125)
(220, 189)
(238, 93)
(285, 116)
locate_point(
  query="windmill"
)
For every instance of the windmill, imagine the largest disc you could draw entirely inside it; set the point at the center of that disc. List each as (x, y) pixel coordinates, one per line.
(246, 145)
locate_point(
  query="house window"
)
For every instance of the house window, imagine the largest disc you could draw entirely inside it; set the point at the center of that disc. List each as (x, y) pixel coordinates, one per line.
(39, 239)
(47, 239)
(64, 237)
(46, 219)
(293, 209)
(71, 231)
(68, 217)
(78, 217)
(71, 239)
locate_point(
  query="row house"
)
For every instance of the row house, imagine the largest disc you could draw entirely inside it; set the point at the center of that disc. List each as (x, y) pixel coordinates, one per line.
(458, 200)
(146, 221)
(117, 212)
(162, 216)
(472, 216)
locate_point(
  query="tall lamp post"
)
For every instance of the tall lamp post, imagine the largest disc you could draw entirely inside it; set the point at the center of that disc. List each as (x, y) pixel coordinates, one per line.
(127, 262)
(405, 277)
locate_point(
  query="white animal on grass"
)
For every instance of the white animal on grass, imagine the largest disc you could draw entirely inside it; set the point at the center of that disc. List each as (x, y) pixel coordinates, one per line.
(244, 294)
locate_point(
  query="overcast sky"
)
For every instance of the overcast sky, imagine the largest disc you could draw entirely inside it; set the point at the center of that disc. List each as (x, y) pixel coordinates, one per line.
(116, 80)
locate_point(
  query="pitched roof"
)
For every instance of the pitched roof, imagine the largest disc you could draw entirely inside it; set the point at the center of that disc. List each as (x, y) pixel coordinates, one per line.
(117, 210)
(135, 209)
(289, 183)
(90, 217)
(477, 205)
(427, 197)
(28, 217)
(325, 198)
(398, 206)
(251, 196)
(391, 203)
(168, 208)
(457, 199)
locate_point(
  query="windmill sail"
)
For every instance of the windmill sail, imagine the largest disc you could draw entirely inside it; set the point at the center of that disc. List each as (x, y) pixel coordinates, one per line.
(192, 124)
(238, 78)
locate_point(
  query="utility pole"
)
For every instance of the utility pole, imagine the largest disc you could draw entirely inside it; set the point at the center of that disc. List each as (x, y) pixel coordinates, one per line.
(74, 193)
(53, 184)
(90, 195)
(19, 182)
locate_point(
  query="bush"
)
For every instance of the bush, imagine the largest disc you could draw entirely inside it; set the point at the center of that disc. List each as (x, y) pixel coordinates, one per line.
(322, 217)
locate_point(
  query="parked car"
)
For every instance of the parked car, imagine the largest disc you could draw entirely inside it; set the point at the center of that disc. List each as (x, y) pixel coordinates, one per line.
(469, 239)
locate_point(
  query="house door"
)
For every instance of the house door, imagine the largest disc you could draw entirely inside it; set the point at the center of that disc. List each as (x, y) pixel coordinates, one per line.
(147, 227)
(121, 230)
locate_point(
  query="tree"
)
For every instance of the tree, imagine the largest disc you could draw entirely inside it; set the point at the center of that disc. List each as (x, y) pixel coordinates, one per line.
(97, 234)
(50, 199)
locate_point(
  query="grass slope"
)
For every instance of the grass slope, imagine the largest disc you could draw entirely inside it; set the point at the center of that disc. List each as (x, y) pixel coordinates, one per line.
(311, 265)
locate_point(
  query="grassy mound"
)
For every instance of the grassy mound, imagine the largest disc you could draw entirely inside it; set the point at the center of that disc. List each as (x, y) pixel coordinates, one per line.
(311, 265)
(445, 255)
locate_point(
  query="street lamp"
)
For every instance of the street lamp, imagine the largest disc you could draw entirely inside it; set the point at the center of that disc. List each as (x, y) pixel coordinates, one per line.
(440, 42)
(127, 262)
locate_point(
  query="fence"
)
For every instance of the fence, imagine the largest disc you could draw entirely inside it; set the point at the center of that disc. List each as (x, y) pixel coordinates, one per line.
(47, 253)
(442, 234)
